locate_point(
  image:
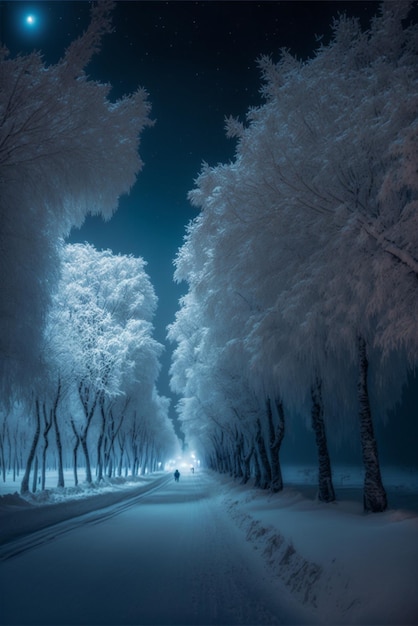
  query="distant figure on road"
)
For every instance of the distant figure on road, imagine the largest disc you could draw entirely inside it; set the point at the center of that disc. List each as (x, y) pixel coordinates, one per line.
(176, 475)
(192, 468)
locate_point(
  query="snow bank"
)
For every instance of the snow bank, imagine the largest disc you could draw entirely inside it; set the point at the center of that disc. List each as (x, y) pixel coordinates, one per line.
(344, 565)
(56, 495)
(70, 491)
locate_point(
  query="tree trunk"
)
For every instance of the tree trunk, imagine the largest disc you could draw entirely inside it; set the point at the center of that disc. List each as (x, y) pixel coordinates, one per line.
(135, 460)
(11, 452)
(264, 464)
(47, 428)
(89, 407)
(24, 488)
(109, 470)
(246, 461)
(276, 437)
(257, 470)
(100, 441)
(60, 482)
(15, 459)
(84, 446)
(75, 451)
(325, 487)
(374, 494)
(121, 441)
(3, 459)
(237, 456)
(6, 465)
(218, 448)
(58, 442)
(113, 433)
(35, 475)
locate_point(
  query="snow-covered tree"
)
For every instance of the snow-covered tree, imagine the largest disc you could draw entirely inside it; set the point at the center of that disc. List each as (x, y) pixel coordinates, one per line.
(303, 254)
(97, 377)
(66, 151)
(107, 306)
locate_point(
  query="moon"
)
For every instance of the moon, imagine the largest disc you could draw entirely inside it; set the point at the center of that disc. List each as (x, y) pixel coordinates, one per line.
(30, 20)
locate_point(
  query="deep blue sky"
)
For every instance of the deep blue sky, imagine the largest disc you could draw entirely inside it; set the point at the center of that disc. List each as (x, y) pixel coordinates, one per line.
(197, 60)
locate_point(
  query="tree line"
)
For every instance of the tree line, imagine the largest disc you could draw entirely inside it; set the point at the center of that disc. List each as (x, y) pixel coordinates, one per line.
(302, 263)
(78, 363)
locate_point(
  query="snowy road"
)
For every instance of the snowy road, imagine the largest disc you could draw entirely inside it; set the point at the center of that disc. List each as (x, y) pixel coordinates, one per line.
(172, 558)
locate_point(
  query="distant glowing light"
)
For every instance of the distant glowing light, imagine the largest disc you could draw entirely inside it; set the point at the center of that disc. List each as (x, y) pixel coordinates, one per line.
(30, 20)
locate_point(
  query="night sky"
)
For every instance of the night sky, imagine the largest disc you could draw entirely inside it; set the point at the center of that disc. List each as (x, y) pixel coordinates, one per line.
(197, 61)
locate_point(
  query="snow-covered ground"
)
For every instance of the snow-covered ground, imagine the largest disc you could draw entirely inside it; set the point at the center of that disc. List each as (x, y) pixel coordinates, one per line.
(348, 566)
(342, 566)
(70, 491)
